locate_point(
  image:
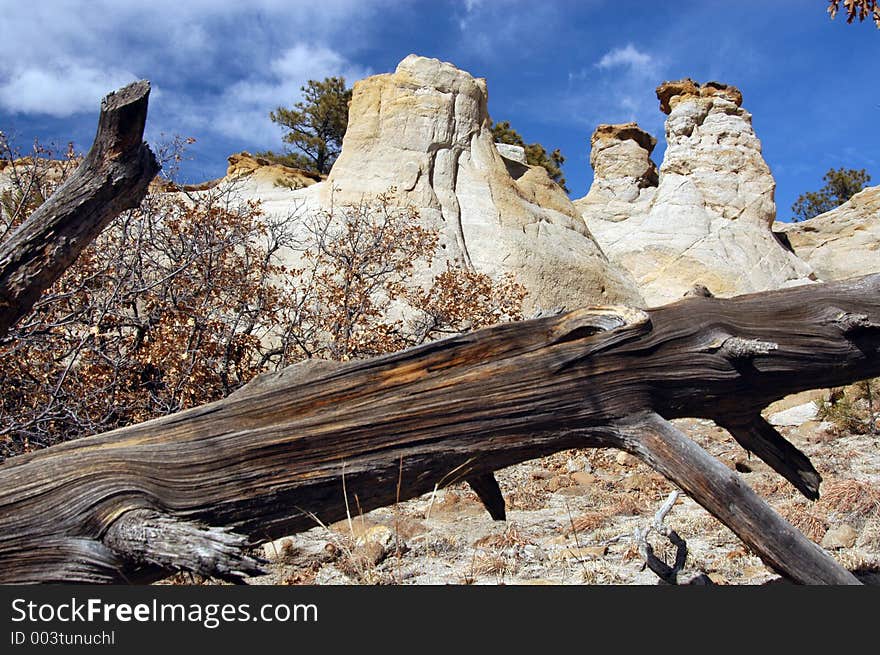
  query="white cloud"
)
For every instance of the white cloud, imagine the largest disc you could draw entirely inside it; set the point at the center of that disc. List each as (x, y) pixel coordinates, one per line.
(222, 66)
(629, 57)
(617, 88)
(243, 108)
(59, 91)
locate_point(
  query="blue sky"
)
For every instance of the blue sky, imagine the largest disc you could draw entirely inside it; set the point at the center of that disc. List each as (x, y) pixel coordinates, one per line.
(554, 69)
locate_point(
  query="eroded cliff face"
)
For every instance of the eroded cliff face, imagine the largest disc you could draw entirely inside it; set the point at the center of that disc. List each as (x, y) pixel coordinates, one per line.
(842, 243)
(708, 220)
(423, 132)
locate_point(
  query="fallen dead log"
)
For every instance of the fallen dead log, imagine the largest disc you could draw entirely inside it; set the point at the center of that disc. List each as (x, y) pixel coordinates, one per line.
(191, 490)
(113, 177)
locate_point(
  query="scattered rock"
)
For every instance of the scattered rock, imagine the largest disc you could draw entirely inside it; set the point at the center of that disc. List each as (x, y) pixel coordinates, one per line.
(842, 536)
(555, 483)
(513, 153)
(534, 552)
(794, 416)
(280, 550)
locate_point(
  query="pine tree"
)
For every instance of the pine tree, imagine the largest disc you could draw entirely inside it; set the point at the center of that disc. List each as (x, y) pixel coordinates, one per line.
(840, 185)
(315, 126)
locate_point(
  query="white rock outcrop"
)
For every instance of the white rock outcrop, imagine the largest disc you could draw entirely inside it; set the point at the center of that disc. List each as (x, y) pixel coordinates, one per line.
(842, 243)
(707, 221)
(624, 175)
(423, 131)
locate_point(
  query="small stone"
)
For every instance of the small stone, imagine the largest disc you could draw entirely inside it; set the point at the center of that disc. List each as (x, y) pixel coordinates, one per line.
(281, 550)
(572, 491)
(624, 458)
(583, 479)
(370, 553)
(554, 484)
(533, 552)
(842, 536)
(794, 416)
(379, 534)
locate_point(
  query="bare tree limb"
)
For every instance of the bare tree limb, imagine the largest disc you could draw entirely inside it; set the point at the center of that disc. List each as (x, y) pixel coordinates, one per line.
(114, 176)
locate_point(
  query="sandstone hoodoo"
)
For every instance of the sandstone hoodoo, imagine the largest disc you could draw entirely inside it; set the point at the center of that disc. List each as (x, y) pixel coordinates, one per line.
(624, 175)
(423, 131)
(842, 243)
(708, 221)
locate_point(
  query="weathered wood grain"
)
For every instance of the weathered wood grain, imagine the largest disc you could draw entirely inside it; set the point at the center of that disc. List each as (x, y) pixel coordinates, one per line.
(113, 177)
(270, 460)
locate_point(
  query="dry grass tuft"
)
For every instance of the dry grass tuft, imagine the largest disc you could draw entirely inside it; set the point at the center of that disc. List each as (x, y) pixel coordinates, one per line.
(495, 564)
(805, 519)
(587, 522)
(507, 539)
(852, 498)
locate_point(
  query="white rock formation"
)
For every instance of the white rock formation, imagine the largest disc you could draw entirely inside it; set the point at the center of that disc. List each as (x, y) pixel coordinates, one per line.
(842, 243)
(424, 131)
(708, 220)
(624, 175)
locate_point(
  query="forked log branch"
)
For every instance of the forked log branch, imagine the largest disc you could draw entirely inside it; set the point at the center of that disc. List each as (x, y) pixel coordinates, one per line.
(269, 460)
(113, 177)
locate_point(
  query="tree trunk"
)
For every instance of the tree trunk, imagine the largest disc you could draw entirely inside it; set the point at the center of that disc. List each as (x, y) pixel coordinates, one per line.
(191, 490)
(113, 177)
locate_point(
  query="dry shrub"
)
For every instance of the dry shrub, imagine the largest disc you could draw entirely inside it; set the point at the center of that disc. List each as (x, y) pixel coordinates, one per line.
(852, 410)
(626, 505)
(527, 497)
(509, 538)
(183, 300)
(870, 536)
(495, 564)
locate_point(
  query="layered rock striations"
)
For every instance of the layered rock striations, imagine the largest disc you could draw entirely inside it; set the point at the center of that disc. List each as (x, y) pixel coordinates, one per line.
(706, 218)
(842, 243)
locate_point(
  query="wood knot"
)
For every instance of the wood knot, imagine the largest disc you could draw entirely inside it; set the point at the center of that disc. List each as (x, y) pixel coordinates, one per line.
(740, 348)
(849, 323)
